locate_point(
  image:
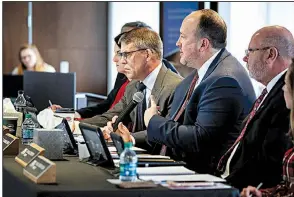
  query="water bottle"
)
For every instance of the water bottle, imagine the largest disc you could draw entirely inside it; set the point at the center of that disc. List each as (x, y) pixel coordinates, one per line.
(27, 130)
(20, 102)
(128, 164)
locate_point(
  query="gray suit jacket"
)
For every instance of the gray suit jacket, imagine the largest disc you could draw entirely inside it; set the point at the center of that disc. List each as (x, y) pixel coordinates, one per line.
(163, 92)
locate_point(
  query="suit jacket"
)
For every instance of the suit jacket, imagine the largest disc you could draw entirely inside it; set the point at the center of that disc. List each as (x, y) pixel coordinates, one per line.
(212, 119)
(103, 106)
(259, 155)
(163, 92)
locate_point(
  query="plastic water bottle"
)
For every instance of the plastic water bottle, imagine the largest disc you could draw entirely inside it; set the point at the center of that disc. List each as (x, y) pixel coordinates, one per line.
(27, 127)
(128, 164)
(20, 102)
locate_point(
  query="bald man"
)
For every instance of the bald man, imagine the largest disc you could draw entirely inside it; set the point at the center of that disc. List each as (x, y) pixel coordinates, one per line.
(210, 104)
(257, 155)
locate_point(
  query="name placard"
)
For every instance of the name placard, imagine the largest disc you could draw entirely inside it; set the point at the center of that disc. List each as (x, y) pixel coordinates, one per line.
(28, 154)
(41, 170)
(10, 144)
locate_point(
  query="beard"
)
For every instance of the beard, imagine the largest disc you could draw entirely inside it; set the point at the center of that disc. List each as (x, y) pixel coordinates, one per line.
(258, 71)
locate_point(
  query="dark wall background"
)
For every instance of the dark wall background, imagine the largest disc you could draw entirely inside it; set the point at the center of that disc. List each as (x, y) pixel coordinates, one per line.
(72, 31)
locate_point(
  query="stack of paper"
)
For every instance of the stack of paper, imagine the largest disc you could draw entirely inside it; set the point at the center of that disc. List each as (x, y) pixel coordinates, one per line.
(182, 178)
(165, 170)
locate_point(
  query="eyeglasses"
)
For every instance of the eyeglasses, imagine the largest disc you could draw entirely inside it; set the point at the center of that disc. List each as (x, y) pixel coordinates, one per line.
(247, 51)
(126, 54)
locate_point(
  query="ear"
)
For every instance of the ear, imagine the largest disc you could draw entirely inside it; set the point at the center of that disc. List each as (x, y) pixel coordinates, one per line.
(149, 54)
(272, 54)
(204, 44)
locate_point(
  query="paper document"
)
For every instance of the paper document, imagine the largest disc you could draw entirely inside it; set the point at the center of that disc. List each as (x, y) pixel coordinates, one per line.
(113, 149)
(194, 177)
(164, 170)
(197, 186)
(145, 156)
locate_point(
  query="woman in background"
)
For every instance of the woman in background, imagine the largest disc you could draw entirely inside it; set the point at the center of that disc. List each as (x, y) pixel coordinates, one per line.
(31, 60)
(285, 188)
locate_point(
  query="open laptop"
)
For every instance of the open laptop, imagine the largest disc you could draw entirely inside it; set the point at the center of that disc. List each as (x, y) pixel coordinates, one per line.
(99, 153)
(145, 160)
(70, 145)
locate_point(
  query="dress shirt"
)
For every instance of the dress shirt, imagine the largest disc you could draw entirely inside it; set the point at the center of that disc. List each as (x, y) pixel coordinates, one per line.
(202, 71)
(149, 82)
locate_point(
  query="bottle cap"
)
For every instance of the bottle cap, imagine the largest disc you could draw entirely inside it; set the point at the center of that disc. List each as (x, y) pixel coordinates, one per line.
(28, 116)
(128, 144)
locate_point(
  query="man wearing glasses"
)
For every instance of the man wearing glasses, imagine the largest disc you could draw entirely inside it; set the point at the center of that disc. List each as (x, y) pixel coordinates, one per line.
(257, 154)
(141, 55)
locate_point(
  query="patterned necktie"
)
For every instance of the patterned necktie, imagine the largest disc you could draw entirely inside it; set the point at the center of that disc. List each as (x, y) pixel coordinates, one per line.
(141, 107)
(183, 107)
(225, 157)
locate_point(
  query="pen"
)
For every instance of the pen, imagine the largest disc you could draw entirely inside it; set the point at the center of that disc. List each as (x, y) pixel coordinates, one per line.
(50, 103)
(257, 188)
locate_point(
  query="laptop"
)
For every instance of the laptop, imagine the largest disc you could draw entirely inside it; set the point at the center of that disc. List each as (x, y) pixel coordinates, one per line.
(70, 145)
(59, 88)
(145, 160)
(99, 153)
(11, 85)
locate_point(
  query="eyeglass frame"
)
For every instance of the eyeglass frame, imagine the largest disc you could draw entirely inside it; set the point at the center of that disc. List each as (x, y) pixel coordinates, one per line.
(125, 55)
(247, 51)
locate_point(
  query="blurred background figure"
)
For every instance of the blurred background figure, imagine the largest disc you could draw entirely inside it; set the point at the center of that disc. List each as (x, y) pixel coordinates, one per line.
(31, 60)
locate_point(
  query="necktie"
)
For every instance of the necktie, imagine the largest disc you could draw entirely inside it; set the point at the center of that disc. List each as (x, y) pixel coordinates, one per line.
(226, 156)
(141, 107)
(183, 107)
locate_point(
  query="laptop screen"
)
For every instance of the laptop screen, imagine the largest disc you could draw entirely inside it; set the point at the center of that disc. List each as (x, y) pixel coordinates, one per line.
(92, 139)
(69, 141)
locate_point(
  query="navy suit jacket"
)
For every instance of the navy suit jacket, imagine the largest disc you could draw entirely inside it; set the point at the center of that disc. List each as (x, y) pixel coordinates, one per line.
(212, 119)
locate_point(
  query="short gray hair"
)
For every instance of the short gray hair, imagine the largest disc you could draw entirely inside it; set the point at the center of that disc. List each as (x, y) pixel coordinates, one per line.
(144, 38)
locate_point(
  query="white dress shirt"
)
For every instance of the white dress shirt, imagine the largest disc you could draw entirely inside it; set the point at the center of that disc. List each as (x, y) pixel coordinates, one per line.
(202, 71)
(269, 87)
(149, 82)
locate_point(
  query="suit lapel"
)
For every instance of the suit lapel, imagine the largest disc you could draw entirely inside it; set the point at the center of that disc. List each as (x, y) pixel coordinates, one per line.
(277, 87)
(213, 65)
(158, 85)
(185, 87)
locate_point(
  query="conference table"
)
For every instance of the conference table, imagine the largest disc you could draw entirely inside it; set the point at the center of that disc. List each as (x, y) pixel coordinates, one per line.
(75, 178)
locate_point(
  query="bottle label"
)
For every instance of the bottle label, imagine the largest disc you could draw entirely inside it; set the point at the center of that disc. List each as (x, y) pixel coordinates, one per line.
(27, 133)
(128, 169)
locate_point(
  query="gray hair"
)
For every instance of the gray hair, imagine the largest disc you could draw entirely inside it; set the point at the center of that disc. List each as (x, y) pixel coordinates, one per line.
(144, 38)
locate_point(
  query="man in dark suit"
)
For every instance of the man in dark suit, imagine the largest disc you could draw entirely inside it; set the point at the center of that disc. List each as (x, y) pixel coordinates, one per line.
(258, 153)
(141, 52)
(202, 127)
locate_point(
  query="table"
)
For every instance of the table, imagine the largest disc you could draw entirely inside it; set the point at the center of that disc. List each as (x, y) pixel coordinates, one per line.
(82, 180)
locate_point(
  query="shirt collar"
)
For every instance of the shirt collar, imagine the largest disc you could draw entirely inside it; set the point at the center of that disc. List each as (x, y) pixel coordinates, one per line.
(149, 81)
(205, 66)
(273, 82)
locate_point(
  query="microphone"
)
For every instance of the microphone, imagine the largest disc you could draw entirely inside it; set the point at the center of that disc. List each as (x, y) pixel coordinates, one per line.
(137, 98)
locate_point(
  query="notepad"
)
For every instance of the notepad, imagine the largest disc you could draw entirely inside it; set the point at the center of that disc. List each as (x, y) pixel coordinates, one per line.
(165, 170)
(182, 178)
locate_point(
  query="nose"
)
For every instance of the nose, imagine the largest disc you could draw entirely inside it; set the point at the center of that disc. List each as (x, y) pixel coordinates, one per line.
(115, 58)
(178, 42)
(245, 58)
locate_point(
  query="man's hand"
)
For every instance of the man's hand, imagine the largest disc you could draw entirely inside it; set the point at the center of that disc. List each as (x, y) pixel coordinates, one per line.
(124, 132)
(151, 111)
(250, 190)
(108, 128)
(54, 107)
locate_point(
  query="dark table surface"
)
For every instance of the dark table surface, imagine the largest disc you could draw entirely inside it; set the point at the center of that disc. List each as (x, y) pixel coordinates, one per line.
(79, 179)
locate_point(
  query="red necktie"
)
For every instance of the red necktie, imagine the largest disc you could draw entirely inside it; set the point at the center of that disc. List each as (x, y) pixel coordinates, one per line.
(183, 107)
(226, 156)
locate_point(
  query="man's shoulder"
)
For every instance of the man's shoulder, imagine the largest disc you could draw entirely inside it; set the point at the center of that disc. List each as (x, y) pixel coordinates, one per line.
(172, 78)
